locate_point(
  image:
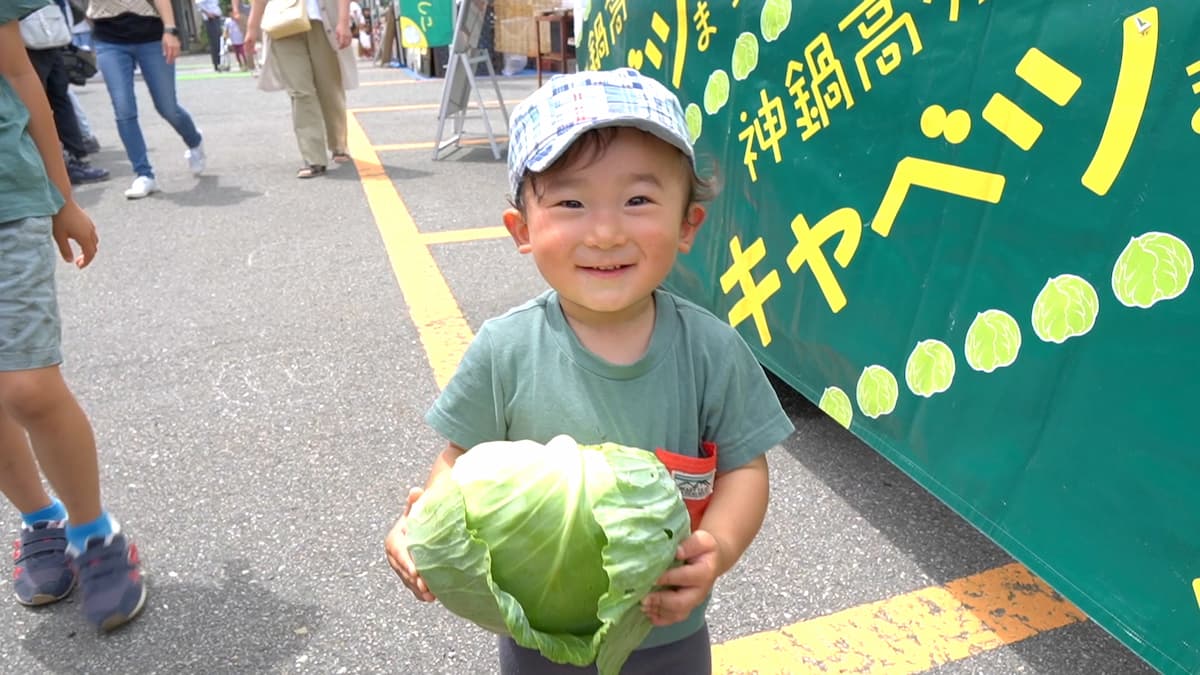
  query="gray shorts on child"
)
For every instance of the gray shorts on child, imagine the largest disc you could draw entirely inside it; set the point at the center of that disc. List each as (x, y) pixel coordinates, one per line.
(689, 656)
(30, 330)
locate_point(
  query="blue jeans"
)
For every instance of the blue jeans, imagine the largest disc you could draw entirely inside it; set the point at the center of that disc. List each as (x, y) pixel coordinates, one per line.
(116, 62)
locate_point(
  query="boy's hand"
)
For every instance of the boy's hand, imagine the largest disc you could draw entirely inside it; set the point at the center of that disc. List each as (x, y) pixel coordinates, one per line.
(687, 585)
(73, 223)
(396, 546)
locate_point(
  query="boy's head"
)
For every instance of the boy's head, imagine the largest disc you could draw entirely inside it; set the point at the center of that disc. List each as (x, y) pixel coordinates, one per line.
(547, 124)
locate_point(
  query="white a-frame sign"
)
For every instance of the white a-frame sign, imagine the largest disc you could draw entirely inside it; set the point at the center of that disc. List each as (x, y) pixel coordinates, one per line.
(461, 85)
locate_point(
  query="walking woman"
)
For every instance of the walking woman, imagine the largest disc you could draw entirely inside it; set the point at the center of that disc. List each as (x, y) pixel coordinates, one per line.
(129, 33)
(316, 69)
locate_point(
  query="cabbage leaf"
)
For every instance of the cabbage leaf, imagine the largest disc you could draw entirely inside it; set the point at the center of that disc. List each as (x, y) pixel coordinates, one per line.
(555, 545)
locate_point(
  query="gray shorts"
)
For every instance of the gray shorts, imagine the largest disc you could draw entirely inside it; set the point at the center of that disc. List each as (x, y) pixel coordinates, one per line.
(30, 330)
(689, 656)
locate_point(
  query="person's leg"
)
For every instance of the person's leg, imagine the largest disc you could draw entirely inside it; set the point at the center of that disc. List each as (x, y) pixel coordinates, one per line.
(57, 85)
(85, 127)
(49, 66)
(116, 63)
(60, 434)
(292, 57)
(30, 339)
(20, 481)
(327, 75)
(213, 26)
(160, 80)
(34, 397)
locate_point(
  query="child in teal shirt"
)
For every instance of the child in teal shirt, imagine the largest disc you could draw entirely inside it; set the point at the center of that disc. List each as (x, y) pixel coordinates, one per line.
(74, 540)
(605, 196)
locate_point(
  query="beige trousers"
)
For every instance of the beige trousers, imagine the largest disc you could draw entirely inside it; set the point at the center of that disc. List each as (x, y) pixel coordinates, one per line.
(308, 66)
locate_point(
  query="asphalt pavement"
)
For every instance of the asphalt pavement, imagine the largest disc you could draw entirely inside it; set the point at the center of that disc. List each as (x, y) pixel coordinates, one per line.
(257, 387)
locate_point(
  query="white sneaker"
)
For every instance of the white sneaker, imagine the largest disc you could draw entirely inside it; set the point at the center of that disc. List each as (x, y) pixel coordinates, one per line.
(195, 159)
(142, 187)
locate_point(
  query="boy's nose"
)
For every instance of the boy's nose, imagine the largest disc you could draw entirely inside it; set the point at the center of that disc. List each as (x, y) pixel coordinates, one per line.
(605, 232)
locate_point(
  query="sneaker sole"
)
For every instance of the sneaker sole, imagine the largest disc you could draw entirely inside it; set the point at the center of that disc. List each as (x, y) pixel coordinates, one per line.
(117, 620)
(45, 598)
(129, 196)
(89, 181)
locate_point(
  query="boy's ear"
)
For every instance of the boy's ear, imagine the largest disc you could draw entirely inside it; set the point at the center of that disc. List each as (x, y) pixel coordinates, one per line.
(693, 217)
(514, 222)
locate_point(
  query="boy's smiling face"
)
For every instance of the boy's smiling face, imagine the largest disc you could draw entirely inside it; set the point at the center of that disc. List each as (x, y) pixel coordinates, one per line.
(605, 227)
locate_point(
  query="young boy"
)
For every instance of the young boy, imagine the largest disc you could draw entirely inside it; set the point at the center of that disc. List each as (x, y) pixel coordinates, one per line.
(605, 195)
(72, 540)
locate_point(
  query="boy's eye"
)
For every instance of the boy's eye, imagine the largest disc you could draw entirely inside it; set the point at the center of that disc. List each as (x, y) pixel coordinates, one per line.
(640, 200)
(571, 204)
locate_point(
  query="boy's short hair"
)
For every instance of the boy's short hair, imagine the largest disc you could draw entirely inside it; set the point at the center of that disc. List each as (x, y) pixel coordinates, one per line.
(552, 118)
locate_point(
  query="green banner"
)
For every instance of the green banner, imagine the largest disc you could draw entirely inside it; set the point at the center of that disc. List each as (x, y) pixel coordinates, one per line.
(426, 23)
(966, 229)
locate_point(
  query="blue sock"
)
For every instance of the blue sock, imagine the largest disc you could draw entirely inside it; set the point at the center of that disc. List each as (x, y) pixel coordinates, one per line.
(78, 535)
(55, 511)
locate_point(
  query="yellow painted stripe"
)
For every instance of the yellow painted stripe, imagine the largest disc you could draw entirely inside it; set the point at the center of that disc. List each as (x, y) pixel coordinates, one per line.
(412, 106)
(1196, 588)
(909, 633)
(459, 236)
(428, 145)
(1129, 102)
(443, 330)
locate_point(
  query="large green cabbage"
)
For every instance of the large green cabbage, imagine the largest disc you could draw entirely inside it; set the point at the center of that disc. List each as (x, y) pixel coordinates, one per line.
(555, 545)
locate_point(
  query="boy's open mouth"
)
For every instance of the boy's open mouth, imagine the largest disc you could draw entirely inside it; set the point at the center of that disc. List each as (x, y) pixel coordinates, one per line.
(605, 268)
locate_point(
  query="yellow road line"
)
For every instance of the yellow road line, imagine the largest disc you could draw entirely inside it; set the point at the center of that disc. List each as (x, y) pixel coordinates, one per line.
(428, 145)
(411, 106)
(909, 633)
(459, 236)
(443, 329)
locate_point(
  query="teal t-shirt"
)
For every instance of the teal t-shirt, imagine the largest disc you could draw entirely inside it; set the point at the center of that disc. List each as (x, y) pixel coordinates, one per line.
(526, 376)
(27, 190)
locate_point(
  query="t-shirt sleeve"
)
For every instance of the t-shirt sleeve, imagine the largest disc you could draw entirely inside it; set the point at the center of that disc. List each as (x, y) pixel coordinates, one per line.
(12, 10)
(471, 410)
(741, 412)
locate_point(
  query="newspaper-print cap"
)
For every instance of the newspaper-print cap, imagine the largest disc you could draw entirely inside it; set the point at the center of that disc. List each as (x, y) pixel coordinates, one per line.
(546, 123)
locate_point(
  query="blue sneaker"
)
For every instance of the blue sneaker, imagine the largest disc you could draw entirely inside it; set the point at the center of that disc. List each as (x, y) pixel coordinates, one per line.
(110, 578)
(42, 573)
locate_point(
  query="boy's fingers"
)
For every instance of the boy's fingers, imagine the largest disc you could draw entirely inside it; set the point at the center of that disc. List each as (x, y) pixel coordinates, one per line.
(698, 544)
(64, 247)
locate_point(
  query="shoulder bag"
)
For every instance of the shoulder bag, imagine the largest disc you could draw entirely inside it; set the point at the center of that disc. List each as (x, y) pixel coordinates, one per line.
(284, 18)
(46, 28)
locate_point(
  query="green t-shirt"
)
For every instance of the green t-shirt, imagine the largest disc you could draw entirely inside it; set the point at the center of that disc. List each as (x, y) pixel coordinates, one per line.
(27, 190)
(527, 377)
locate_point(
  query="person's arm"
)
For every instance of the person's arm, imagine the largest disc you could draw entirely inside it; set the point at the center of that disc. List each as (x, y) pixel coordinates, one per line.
(343, 24)
(71, 222)
(254, 24)
(730, 523)
(170, 43)
(396, 544)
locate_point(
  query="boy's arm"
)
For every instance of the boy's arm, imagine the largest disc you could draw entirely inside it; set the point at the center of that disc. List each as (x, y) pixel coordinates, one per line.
(396, 543)
(737, 509)
(70, 222)
(730, 523)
